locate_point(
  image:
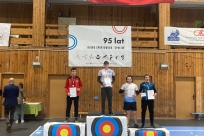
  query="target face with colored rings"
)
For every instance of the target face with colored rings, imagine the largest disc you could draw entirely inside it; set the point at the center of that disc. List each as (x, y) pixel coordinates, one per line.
(106, 126)
(149, 133)
(64, 130)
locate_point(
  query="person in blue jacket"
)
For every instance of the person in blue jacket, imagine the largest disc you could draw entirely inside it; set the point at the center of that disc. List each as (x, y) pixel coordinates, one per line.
(144, 88)
(10, 94)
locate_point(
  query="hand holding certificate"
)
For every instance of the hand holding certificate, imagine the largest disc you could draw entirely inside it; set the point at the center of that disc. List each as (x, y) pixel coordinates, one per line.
(150, 94)
(107, 82)
(143, 94)
(130, 92)
(72, 92)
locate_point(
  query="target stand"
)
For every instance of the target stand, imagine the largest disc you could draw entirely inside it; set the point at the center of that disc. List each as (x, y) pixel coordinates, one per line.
(64, 129)
(148, 132)
(106, 126)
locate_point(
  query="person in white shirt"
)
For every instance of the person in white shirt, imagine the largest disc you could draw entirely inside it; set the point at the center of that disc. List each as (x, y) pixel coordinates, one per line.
(130, 91)
(106, 77)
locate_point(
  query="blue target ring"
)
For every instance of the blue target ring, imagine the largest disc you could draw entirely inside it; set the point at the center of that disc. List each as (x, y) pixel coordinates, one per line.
(75, 42)
(71, 128)
(112, 122)
(144, 132)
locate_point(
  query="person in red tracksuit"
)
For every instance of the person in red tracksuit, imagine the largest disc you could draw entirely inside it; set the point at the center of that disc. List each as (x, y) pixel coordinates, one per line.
(73, 81)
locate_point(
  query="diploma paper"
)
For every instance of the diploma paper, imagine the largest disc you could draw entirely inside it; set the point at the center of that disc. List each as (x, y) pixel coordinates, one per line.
(107, 81)
(143, 94)
(72, 92)
(150, 94)
(130, 92)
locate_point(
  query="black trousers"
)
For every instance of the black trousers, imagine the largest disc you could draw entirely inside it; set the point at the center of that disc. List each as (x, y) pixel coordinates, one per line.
(106, 92)
(150, 104)
(9, 109)
(69, 104)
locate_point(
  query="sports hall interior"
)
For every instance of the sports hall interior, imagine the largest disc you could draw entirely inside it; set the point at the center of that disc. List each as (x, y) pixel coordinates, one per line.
(43, 38)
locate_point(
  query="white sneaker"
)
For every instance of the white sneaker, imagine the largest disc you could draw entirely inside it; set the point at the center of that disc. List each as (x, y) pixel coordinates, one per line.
(16, 121)
(22, 121)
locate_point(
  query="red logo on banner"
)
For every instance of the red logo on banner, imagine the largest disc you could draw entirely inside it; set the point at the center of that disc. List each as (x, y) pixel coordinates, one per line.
(199, 32)
(119, 31)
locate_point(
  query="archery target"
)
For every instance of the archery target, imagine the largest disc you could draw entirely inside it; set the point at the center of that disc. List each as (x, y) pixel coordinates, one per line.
(64, 129)
(148, 132)
(106, 126)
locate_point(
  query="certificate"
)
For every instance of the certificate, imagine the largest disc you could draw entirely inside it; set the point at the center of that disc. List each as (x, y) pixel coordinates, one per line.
(143, 94)
(72, 92)
(107, 81)
(130, 92)
(150, 94)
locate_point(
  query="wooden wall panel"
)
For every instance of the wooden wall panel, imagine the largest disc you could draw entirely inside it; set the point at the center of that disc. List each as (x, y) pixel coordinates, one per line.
(39, 17)
(103, 15)
(164, 20)
(56, 62)
(100, 15)
(198, 95)
(16, 12)
(185, 17)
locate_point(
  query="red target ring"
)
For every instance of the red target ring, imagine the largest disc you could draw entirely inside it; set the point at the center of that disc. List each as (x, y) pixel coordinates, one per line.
(106, 128)
(119, 31)
(64, 130)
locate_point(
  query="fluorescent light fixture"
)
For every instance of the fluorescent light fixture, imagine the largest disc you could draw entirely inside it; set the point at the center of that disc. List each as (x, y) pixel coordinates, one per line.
(164, 66)
(36, 64)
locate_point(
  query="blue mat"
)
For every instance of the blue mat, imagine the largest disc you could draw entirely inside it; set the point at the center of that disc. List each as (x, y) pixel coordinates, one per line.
(38, 131)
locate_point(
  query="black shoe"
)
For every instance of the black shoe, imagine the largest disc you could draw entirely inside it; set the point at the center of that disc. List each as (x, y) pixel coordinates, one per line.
(111, 114)
(102, 113)
(153, 125)
(76, 120)
(8, 127)
(142, 126)
(67, 119)
(136, 126)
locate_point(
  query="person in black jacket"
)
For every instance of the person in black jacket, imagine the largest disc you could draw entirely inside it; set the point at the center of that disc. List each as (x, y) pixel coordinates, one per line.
(145, 101)
(10, 94)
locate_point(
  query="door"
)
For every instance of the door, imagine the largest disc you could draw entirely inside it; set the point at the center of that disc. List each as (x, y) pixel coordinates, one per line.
(138, 80)
(5, 81)
(57, 104)
(185, 97)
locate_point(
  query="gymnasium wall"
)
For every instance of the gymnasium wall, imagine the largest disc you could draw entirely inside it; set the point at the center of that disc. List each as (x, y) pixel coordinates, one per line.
(56, 62)
(181, 62)
(99, 15)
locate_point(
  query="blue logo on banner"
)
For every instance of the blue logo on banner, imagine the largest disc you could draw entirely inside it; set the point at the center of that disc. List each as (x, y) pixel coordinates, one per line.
(174, 36)
(75, 42)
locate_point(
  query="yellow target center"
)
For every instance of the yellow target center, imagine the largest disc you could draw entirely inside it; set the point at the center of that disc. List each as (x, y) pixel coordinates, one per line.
(64, 132)
(150, 133)
(106, 128)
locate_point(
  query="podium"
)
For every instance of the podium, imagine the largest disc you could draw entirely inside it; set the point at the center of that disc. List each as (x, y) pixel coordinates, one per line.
(148, 132)
(106, 125)
(64, 129)
(97, 125)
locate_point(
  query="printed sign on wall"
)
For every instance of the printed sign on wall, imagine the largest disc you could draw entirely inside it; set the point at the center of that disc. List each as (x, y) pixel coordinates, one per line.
(90, 46)
(184, 36)
(4, 34)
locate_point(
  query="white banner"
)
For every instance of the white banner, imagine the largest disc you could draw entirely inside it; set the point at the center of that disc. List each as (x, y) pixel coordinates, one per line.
(4, 34)
(90, 46)
(184, 36)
